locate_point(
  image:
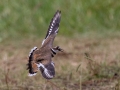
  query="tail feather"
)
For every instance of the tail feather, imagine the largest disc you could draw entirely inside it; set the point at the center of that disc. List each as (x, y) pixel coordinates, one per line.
(30, 60)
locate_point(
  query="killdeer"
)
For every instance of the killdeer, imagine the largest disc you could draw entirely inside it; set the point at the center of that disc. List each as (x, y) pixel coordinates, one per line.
(41, 59)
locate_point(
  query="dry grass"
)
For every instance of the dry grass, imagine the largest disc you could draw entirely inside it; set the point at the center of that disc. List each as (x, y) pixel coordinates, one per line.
(74, 71)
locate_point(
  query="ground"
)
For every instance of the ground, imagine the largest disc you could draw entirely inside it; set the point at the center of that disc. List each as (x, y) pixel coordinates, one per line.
(86, 64)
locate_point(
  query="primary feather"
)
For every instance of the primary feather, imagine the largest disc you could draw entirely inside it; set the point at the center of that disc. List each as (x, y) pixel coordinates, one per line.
(54, 25)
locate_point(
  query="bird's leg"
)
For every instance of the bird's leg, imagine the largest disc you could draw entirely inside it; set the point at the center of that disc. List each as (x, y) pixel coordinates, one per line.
(57, 48)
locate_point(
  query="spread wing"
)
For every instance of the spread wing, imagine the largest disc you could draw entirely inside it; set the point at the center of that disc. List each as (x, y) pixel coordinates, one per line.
(48, 71)
(53, 28)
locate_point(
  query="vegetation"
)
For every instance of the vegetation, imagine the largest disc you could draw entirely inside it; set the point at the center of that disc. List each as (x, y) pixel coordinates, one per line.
(89, 34)
(28, 17)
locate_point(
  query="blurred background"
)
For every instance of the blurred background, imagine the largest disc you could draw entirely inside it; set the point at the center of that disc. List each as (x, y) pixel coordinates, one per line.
(89, 33)
(31, 17)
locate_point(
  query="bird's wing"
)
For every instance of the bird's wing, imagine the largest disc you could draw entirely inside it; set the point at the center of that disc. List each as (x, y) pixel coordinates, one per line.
(53, 27)
(48, 71)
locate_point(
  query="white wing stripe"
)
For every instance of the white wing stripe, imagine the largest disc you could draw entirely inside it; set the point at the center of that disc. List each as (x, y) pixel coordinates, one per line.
(52, 24)
(45, 70)
(53, 63)
(51, 27)
(47, 74)
(54, 21)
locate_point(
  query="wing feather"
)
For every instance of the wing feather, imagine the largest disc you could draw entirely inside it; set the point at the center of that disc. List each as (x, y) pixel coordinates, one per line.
(54, 25)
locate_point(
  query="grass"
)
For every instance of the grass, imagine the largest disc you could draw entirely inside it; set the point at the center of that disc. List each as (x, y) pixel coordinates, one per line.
(87, 27)
(73, 69)
(31, 18)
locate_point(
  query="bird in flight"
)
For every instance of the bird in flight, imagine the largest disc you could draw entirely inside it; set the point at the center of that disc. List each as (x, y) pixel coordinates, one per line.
(41, 59)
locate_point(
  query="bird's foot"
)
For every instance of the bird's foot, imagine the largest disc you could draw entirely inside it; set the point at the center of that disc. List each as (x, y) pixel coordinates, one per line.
(58, 49)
